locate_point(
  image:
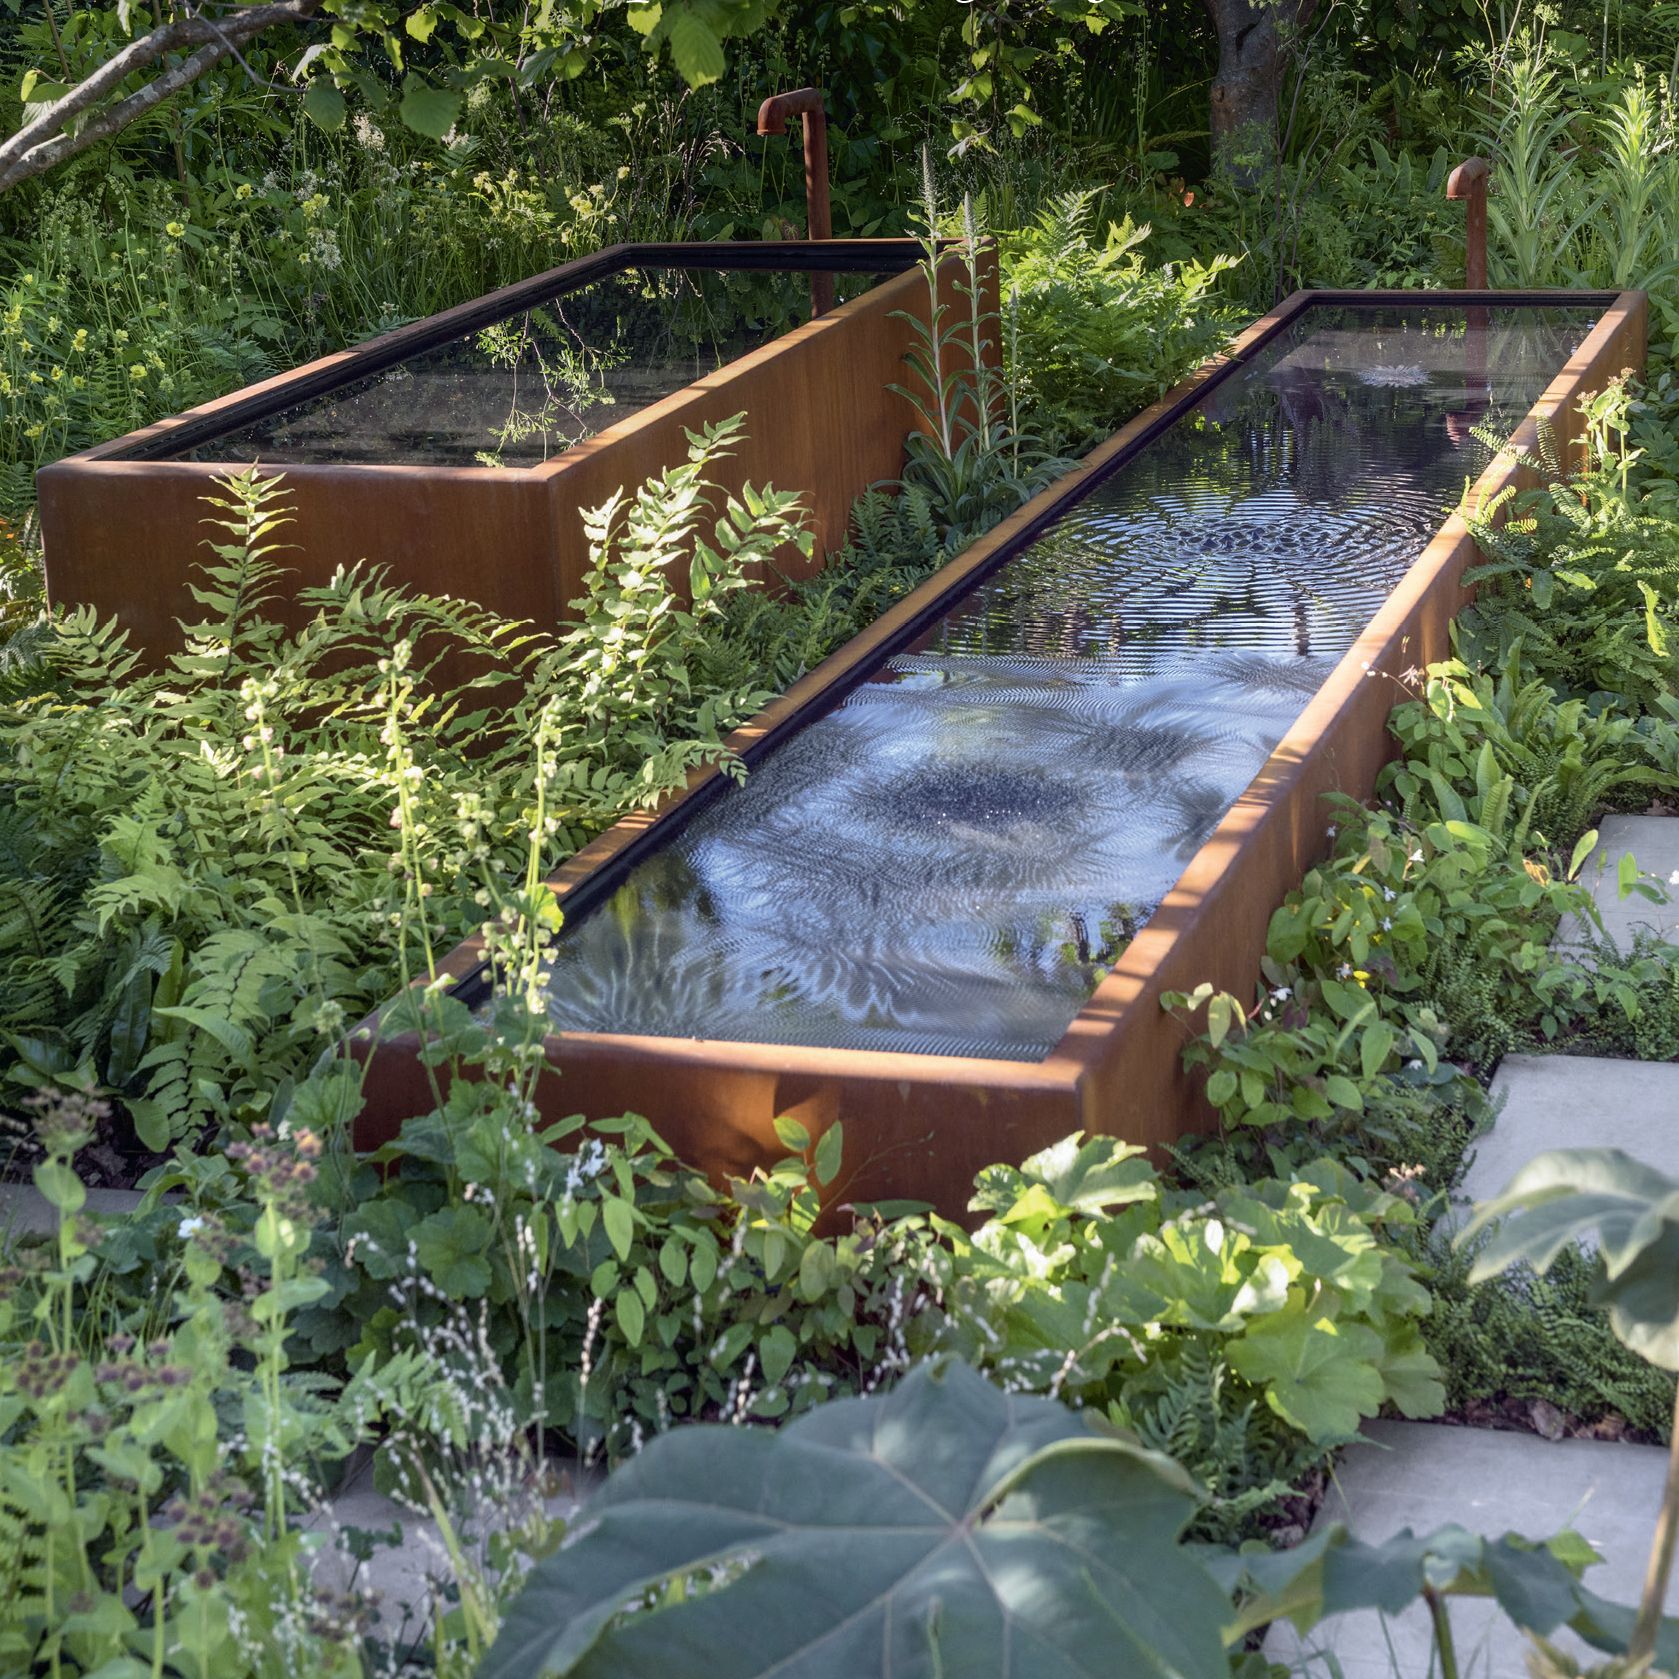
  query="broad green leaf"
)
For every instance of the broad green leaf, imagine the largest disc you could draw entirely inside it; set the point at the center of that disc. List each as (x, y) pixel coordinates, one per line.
(450, 1246)
(429, 110)
(694, 47)
(830, 1148)
(776, 1352)
(324, 105)
(61, 1187)
(1582, 850)
(1410, 1373)
(792, 1134)
(1317, 1374)
(618, 1219)
(1375, 1045)
(944, 1529)
(1091, 1174)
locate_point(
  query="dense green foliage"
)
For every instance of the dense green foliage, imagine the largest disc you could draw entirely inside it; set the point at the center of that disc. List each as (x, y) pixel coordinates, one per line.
(210, 872)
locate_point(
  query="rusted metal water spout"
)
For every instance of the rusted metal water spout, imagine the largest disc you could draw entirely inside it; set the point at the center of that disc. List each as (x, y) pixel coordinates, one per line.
(806, 102)
(1469, 182)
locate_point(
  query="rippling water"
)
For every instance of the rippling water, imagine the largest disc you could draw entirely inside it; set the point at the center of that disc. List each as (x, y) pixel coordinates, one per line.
(948, 860)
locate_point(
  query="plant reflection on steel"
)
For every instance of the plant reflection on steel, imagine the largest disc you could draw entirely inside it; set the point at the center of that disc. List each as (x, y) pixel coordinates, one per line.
(947, 861)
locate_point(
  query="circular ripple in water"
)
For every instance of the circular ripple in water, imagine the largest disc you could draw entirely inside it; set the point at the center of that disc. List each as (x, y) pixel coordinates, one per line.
(1115, 594)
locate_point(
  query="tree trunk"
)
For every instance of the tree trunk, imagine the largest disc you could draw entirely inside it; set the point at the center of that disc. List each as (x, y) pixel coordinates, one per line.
(1254, 40)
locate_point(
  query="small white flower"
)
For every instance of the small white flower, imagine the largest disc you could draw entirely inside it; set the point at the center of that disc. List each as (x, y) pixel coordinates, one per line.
(190, 1227)
(1283, 993)
(1387, 923)
(1345, 971)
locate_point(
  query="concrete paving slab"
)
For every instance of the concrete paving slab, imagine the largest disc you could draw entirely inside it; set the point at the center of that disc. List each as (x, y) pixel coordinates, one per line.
(1653, 842)
(25, 1211)
(408, 1568)
(1576, 1101)
(1424, 1475)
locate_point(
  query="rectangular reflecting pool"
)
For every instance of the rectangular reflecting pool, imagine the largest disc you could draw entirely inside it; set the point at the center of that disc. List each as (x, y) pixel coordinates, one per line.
(951, 859)
(459, 453)
(1078, 768)
(519, 389)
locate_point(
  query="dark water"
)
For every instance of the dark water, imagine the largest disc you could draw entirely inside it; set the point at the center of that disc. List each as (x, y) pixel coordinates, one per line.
(525, 389)
(946, 862)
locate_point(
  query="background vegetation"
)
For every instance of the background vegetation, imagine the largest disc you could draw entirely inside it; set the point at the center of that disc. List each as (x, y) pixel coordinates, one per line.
(208, 873)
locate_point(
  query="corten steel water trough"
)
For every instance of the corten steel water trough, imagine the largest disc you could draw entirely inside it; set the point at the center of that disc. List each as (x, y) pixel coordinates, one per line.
(921, 1125)
(123, 524)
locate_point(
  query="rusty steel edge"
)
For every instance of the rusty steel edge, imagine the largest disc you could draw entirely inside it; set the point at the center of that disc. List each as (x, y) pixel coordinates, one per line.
(921, 1126)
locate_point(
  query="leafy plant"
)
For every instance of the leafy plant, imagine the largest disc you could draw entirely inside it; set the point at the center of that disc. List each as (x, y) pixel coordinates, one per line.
(1633, 1212)
(1244, 1334)
(1095, 332)
(946, 1527)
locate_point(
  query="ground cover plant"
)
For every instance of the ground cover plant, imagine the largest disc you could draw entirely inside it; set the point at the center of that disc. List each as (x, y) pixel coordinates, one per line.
(208, 873)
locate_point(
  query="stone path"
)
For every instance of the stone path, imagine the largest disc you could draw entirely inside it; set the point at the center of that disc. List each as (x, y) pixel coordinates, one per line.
(25, 1211)
(1654, 844)
(1424, 1475)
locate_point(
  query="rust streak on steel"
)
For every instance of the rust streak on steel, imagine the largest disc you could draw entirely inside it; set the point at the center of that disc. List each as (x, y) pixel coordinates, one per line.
(1469, 182)
(806, 102)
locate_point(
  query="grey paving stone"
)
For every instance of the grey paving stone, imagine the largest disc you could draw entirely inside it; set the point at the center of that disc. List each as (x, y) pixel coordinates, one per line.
(1424, 1475)
(1576, 1101)
(25, 1211)
(403, 1577)
(1654, 844)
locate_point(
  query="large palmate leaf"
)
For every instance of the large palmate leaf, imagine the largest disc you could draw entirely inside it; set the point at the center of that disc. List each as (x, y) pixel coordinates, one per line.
(1560, 1197)
(1318, 1374)
(947, 1528)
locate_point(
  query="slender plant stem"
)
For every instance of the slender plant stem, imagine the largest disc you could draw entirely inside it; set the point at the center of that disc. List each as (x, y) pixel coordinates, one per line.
(1643, 1646)
(1442, 1632)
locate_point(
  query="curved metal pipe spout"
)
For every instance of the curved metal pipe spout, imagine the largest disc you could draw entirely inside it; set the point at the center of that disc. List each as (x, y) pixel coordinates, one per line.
(1469, 182)
(806, 102)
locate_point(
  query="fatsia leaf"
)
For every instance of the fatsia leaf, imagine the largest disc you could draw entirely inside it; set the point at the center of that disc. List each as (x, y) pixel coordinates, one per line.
(945, 1528)
(1536, 1584)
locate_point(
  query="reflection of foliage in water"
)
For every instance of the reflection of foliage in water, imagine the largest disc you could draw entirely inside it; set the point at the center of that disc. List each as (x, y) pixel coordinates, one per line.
(571, 375)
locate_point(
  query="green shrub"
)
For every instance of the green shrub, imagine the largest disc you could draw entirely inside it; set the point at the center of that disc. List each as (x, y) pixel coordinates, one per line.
(1245, 1335)
(1095, 332)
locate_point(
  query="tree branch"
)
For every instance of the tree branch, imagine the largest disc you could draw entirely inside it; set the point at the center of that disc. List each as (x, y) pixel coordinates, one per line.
(41, 143)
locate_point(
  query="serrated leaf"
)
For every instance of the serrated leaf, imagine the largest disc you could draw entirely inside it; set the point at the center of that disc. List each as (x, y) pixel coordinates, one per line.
(695, 48)
(1317, 1374)
(429, 110)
